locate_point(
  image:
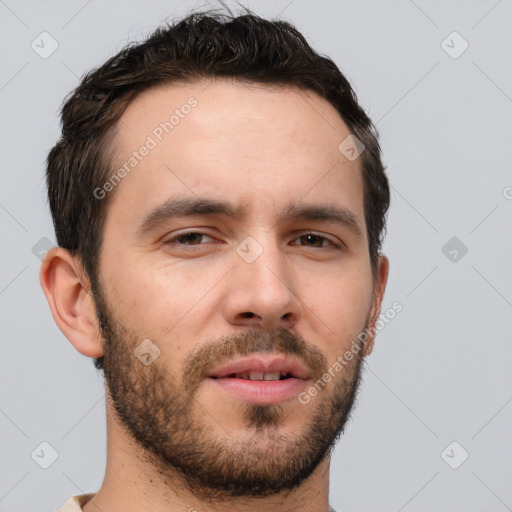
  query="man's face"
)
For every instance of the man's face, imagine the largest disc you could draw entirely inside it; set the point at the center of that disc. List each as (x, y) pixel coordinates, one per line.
(280, 281)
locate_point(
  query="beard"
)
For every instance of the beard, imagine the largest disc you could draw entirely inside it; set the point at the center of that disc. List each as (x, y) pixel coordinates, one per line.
(159, 409)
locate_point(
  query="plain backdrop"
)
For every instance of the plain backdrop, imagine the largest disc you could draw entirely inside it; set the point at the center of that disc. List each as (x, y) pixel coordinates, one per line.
(432, 426)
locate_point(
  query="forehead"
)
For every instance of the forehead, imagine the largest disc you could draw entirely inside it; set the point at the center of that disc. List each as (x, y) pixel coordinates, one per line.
(250, 142)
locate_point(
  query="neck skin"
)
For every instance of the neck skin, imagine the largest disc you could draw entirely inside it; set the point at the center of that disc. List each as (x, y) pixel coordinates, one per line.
(131, 484)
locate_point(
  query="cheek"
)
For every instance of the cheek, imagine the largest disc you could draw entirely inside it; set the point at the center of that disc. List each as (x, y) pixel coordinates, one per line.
(341, 302)
(162, 303)
(161, 307)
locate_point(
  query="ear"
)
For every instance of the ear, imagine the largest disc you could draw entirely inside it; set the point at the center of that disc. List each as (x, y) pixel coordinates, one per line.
(378, 295)
(70, 299)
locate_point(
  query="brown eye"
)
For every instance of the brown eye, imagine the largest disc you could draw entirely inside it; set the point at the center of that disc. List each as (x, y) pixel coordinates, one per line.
(192, 238)
(313, 240)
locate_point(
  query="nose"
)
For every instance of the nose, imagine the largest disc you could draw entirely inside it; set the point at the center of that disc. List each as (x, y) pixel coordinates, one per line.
(261, 293)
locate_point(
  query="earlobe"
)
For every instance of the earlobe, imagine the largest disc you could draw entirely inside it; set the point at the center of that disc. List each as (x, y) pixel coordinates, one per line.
(70, 300)
(380, 287)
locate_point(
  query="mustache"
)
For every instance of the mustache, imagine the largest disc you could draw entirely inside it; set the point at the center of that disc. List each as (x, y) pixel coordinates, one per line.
(280, 341)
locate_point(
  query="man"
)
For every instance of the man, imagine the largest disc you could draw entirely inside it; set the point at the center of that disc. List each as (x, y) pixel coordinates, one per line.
(219, 202)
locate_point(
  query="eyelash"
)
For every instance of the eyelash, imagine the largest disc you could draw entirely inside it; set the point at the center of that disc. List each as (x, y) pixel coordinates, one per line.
(173, 240)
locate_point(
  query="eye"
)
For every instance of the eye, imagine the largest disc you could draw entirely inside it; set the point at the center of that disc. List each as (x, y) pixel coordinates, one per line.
(314, 240)
(193, 238)
(190, 238)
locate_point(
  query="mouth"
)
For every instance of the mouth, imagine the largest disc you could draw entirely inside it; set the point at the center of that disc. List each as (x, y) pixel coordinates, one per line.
(261, 379)
(252, 375)
(261, 367)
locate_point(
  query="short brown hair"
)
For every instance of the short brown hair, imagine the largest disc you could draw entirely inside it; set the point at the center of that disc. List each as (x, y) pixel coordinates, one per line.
(201, 45)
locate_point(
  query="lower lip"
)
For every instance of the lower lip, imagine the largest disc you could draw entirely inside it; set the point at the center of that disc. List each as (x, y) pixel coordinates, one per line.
(263, 392)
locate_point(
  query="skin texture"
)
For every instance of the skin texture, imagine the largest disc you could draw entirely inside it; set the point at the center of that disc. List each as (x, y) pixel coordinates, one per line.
(175, 442)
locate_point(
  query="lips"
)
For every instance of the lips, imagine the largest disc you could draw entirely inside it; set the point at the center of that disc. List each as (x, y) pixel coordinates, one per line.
(252, 375)
(261, 368)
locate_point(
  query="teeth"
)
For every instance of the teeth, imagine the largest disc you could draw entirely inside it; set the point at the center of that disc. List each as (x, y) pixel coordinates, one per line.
(259, 376)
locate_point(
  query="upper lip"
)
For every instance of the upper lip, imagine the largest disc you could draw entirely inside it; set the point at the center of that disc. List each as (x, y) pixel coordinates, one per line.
(262, 363)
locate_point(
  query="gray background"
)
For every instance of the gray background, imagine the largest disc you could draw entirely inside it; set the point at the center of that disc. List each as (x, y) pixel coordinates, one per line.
(440, 371)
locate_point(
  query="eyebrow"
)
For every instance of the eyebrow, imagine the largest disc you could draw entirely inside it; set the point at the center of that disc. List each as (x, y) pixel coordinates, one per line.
(190, 207)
